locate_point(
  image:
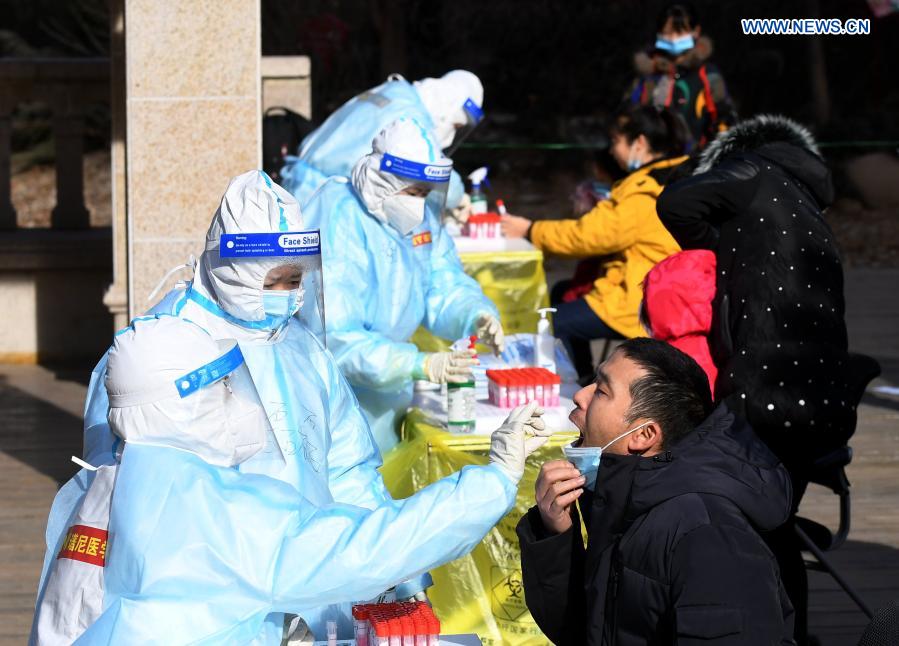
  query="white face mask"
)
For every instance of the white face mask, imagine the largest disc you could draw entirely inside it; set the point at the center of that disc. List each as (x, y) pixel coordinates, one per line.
(404, 212)
(586, 458)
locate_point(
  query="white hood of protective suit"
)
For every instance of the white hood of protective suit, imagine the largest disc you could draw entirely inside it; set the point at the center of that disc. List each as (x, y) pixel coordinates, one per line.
(253, 203)
(444, 99)
(405, 138)
(144, 364)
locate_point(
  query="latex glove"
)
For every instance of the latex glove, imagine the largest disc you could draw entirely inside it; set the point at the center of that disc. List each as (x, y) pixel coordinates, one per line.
(421, 595)
(490, 331)
(462, 212)
(445, 367)
(523, 432)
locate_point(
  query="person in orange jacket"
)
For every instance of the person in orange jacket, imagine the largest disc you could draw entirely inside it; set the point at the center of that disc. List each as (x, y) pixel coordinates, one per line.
(624, 231)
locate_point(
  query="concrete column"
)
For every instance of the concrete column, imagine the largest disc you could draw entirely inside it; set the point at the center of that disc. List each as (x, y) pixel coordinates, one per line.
(192, 123)
(68, 134)
(116, 296)
(7, 211)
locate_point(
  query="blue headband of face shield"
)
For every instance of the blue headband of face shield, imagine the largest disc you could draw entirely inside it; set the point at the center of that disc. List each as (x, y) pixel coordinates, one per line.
(436, 173)
(210, 373)
(473, 110)
(675, 47)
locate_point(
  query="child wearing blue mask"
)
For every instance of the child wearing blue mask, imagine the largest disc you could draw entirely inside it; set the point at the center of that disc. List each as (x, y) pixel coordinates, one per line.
(675, 72)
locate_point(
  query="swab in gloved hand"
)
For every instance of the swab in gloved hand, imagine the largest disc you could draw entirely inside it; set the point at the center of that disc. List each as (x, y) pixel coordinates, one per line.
(490, 331)
(445, 367)
(523, 432)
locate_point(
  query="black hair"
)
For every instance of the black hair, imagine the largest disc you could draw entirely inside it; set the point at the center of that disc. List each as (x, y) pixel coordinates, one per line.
(682, 15)
(674, 392)
(665, 130)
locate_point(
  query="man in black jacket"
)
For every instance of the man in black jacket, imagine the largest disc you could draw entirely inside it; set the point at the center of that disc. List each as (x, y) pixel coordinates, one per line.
(672, 552)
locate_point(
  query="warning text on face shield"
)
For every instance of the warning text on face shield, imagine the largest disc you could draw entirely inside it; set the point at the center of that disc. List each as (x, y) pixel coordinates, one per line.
(263, 245)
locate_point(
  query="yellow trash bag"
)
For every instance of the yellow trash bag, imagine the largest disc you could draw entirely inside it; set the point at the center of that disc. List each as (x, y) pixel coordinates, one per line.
(482, 592)
(513, 280)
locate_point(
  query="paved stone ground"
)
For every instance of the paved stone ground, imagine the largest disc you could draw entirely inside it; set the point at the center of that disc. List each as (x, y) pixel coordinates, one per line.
(41, 428)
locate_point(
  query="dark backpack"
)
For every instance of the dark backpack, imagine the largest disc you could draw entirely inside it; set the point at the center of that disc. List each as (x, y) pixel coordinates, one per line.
(282, 132)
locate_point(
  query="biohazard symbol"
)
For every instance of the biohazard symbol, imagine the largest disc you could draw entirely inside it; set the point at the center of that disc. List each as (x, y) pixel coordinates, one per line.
(507, 593)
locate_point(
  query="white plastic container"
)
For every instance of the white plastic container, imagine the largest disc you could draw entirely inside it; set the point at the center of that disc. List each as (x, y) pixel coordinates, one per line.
(545, 342)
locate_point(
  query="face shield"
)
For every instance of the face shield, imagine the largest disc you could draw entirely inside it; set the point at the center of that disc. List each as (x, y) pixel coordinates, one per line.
(425, 188)
(473, 115)
(290, 264)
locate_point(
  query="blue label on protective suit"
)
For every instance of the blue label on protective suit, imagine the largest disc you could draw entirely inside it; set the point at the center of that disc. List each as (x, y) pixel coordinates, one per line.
(210, 373)
(262, 245)
(414, 170)
(473, 110)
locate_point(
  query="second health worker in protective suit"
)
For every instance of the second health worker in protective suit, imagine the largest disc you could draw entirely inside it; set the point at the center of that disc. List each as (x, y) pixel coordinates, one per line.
(449, 108)
(390, 268)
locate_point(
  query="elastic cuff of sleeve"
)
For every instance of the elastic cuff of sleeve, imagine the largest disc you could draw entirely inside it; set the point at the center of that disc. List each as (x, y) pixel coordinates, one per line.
(419, 370)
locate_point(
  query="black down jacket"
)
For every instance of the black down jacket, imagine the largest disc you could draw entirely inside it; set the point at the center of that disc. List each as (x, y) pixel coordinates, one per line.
(673, 556)
(778, 331)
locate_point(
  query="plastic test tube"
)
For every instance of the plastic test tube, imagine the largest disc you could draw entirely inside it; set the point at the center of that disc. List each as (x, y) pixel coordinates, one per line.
(395, 630)
(360, 625)
(381, 631)
(433, 631)
(539, 378)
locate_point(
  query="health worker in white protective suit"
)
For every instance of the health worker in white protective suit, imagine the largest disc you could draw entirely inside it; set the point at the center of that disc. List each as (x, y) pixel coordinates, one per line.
(174, 545)
(390, 267)
(449, 108)
(259, 282)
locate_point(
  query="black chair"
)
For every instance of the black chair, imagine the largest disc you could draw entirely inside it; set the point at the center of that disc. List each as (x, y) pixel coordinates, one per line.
(884, 628)
(830, 471)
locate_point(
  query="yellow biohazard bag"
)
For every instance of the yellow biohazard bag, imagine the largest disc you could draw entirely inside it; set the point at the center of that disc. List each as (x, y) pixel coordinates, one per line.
(482, 592)
(513, 280)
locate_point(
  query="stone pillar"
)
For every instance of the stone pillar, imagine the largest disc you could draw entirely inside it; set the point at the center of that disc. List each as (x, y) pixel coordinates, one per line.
(68, 136)
(7, 211)
(192, 123)
(116, 296)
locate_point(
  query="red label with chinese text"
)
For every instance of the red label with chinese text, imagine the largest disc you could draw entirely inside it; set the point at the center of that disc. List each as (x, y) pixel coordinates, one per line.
(421, 238)
(86, 544)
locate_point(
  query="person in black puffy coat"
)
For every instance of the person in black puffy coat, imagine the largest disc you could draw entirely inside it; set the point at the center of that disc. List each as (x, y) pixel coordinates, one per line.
(778, 334)
(673, 554)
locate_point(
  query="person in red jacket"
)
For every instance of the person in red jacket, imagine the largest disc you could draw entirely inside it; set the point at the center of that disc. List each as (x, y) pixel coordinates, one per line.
(677, 305)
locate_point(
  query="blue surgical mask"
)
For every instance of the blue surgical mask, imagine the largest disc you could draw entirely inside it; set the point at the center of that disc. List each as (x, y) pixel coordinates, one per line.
(586, 458)
(632, 162)
(676, 46)
(280, 304)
